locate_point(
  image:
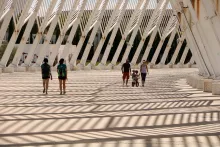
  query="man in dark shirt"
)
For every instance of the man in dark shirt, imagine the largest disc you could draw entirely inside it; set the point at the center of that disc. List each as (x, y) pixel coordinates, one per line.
(126, 70)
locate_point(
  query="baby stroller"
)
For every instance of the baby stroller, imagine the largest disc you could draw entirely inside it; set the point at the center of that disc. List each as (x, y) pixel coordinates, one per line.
(135, 77)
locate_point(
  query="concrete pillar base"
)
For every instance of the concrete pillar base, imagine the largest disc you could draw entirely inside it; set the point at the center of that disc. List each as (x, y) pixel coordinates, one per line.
(109, 66)
(20, 69)
(207, 85)
(187, 66)
(117, 67)
(33, 69)
(193, 66)
(88, 67)
(216, 87)
(8, 70)
(195, 81)
(79, 66)
(200, 84)
(100, 66)
(160, 65)
(179, 65)
(170, 65)
(165, 66)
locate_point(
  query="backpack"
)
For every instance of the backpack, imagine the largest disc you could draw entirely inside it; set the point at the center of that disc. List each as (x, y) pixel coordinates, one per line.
(45, 69)
(61, 70)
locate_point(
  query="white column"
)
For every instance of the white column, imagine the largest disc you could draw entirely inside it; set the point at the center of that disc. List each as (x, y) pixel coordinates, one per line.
(171, 27)
(192, 60)
(156, 54)
(212, 16)
(183, 58)
(168, 47)
(88, 46)
(126, 33)
(25, 36)
(97, 51)
(173, 59)
(137, 52)
(92, 36)
(205, 53)
(150, 44)
(194, 41)
(70, 39)
(114, 32)
(73, 31)
(129, 45)
(118, 51)
(16, 32)
(47, 39)
(64, 28)
(83, 37)
(39, 35)
(156, 17)
(203, 67)
(5, 24)
(3, 4)
(135, 31)
(49, 35)
(107, 30)
(109, 46)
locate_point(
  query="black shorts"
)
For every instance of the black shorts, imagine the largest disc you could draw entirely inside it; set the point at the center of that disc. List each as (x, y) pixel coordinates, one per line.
(46, 77)
(62, 78)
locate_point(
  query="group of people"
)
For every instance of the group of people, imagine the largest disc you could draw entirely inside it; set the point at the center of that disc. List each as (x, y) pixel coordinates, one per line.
(46, 75)
(62, 74)
(126, 71)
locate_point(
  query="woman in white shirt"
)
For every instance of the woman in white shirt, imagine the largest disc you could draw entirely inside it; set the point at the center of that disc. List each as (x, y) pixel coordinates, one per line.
(143, 71)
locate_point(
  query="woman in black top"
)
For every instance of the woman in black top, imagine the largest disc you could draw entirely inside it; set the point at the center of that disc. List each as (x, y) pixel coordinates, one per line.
(46, 74)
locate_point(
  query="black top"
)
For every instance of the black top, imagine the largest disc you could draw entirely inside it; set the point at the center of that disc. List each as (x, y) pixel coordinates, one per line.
(126, 67)
(45, 68)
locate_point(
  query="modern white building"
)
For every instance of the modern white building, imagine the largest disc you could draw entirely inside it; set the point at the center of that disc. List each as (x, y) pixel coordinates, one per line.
(92, 34)
(102, 34)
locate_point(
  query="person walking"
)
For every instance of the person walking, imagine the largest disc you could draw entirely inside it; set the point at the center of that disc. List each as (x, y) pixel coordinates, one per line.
(126, 71)
(62, 76)
(143, 71)
(46, 74)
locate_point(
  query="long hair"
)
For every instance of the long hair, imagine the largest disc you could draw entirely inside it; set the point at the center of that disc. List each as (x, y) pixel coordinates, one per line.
(61, 61)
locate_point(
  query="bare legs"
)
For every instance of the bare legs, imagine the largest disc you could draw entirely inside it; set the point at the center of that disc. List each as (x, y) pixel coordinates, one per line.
(45, 85)
(62, 84)
(125, 81)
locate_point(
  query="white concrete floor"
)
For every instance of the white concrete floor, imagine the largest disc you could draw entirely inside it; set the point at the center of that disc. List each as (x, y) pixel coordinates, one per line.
(98, 111)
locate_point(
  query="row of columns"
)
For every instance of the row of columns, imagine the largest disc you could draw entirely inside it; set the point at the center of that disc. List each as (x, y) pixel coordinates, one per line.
(47, 20)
